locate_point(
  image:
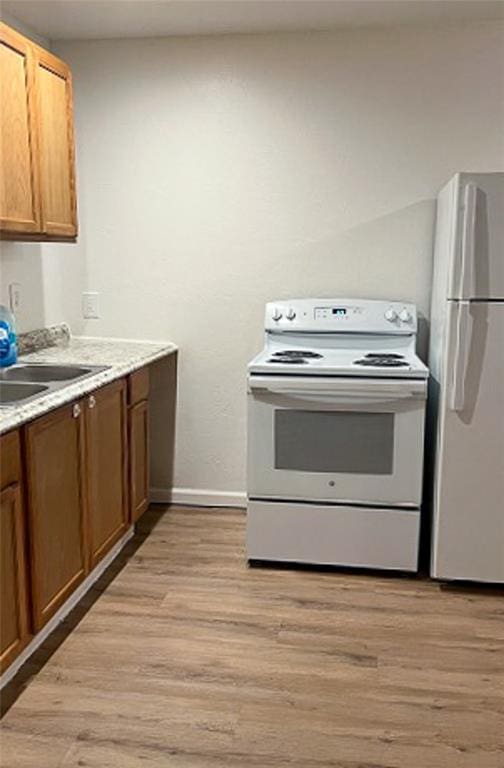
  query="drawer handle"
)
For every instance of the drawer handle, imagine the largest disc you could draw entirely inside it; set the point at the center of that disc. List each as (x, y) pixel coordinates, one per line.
(92, 401)
(76, 411)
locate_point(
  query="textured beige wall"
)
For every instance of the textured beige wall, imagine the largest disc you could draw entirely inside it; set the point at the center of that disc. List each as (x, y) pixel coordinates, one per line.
(218, 173)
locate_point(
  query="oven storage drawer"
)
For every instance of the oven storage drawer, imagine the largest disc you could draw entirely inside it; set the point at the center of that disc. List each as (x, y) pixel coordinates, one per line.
(333, 535)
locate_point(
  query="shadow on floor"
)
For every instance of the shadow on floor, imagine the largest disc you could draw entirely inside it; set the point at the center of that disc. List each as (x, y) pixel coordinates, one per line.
(41, 656)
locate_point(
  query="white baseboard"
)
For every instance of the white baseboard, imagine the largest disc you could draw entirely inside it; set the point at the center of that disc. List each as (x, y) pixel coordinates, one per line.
(198, 497)
(65, 609)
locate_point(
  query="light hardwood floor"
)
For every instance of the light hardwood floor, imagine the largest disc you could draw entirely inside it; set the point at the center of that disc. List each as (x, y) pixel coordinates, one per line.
(187, 658)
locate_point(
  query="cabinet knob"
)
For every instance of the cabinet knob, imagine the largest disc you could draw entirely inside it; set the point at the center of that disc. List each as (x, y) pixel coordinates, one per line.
(92, 401)
(76, 411)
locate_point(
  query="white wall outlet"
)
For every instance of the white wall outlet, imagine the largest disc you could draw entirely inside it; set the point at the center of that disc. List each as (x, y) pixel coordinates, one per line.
(15, 297)
(90, 305)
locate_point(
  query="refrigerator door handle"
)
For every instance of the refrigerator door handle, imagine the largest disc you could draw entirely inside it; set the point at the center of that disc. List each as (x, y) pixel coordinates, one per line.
(468, 242)
(462, 349)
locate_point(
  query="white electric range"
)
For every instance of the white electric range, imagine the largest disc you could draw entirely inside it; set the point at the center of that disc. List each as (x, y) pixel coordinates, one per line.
(336, 410)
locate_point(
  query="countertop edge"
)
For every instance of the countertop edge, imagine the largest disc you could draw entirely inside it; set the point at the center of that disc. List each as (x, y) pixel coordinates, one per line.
(23, 414)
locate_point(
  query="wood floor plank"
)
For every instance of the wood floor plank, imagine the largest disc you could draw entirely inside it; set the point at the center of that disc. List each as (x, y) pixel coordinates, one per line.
(187, 658)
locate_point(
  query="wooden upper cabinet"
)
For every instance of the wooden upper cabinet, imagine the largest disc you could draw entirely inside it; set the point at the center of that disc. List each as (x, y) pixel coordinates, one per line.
(56, 481)
(56, 148)
(19, 179)
(107, 466)
(38, 193)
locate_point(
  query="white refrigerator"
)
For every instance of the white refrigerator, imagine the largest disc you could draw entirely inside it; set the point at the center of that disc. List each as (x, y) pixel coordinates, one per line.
(466, 360)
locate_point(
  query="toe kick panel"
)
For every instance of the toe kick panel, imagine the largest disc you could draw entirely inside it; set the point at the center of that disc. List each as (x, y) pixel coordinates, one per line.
(363, 537)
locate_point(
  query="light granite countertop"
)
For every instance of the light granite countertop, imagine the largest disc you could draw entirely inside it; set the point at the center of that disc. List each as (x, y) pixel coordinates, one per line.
(123, 357)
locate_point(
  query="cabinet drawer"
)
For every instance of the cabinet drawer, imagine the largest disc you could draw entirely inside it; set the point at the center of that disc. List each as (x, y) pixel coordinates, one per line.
(10, 458)
(138, 386)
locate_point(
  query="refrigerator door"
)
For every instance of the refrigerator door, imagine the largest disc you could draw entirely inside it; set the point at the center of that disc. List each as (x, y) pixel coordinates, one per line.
(469, 245)
(468, 505)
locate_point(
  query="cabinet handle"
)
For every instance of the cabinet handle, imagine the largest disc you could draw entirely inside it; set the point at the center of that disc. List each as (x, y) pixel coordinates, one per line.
(76, 411)
(92, 401)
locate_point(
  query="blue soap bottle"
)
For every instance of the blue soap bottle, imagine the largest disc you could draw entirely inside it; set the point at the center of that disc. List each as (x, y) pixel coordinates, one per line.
(8, 342)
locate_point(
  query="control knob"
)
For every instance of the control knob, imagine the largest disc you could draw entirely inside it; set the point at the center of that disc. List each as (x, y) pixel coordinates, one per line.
(291, 314)
(391, 315)
(405, 316)
(277, 315)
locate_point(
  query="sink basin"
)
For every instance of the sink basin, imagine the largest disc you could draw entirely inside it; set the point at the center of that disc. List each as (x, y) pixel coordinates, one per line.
(36, 373)
(25, 381)
(14, 392)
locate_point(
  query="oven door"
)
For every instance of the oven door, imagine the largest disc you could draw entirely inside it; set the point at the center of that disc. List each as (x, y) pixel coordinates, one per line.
(339, 440)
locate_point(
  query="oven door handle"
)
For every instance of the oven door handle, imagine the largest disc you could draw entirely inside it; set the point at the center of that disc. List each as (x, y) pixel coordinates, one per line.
(358, 392)
(339, 398)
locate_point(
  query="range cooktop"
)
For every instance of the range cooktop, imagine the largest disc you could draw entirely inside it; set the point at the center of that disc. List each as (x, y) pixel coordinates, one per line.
(340, 337)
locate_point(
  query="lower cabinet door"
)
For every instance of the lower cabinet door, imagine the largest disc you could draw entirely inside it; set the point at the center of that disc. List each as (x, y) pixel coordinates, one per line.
(14, 632)
(106, 438)
(139, 458)
(56, 508)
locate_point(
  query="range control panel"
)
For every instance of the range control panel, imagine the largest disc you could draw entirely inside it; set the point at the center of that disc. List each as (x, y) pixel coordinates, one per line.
(335, 313)
(341, 315)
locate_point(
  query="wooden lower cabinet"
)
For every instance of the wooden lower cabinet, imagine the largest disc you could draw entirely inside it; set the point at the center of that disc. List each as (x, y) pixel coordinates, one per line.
(14, 627)
(56, 508)
(139, 458)
(107, 468)
(138, 428)
(85, 480)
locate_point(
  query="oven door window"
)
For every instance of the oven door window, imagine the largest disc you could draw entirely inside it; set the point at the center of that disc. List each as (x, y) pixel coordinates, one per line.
(334, 441)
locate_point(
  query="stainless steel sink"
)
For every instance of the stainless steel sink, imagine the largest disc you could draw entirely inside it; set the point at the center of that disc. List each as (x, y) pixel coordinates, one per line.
(42, 372)
(16, 392)
(24, 382)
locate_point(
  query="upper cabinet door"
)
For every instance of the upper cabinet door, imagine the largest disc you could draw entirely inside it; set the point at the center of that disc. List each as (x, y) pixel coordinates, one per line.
(37, 164)
(19, 180)
(56, 145)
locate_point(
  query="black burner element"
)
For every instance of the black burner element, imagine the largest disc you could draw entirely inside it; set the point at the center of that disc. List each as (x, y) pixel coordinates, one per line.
(385, 355)
(288, 360)
(382, 361)
(295, 353)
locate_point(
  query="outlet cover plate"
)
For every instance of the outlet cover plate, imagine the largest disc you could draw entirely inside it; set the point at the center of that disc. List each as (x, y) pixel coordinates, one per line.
(90, 310)
(15, 297)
